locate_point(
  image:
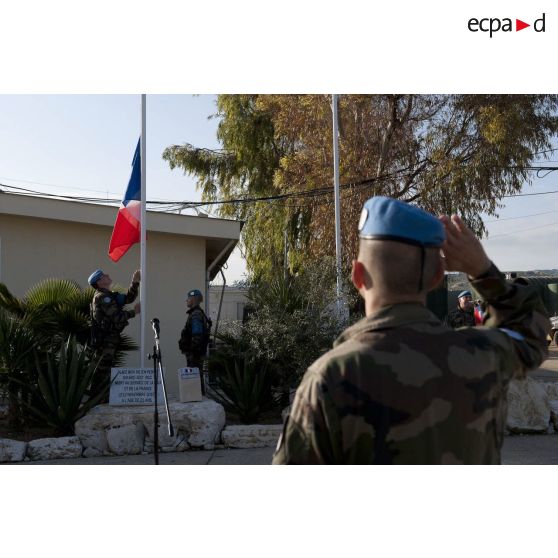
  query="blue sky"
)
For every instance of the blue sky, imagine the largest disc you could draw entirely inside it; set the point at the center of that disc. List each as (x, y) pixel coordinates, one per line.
(83, 145)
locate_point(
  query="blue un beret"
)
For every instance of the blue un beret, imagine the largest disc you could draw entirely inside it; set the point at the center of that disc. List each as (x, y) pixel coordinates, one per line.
(95, 276)
(194, 292)
(464, 293)
(389, 219)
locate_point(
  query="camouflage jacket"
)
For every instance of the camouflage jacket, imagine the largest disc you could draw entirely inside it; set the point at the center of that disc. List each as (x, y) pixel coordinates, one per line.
(195, 335)
(399, 387)
(460, 318)
(108, 315)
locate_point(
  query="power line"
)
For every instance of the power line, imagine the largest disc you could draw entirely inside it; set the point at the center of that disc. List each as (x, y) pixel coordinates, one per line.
(315, 192)
(523, 230)
(56, 185)
(531, 194)
(521, 216)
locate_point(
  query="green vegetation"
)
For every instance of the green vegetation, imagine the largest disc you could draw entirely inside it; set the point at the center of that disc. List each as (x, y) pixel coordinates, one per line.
(292, 321)
(44, 354)
(446, 153)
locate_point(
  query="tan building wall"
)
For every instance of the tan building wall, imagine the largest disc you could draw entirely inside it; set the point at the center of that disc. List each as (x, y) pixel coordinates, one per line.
(34, 248)
(232, 308)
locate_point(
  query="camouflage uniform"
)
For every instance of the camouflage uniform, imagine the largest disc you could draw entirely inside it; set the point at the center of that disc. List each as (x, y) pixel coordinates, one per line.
(461, 318)
(108, 319)
(194, 338)
(399, 387)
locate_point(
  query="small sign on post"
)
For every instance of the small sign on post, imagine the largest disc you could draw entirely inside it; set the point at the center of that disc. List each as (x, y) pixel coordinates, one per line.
(189, 385)
(133, 386)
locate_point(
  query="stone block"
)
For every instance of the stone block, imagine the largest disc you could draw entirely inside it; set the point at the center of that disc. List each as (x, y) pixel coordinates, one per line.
(554, 413)
(528, 406)
(196, 424)
(66, 447)
(126, 439)
(12, 450)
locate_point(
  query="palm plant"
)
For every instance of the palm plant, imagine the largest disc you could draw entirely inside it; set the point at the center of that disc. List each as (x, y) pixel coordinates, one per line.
(242, 384)
(17, 343)
(42, 321)
(62, 383)
(56, 308)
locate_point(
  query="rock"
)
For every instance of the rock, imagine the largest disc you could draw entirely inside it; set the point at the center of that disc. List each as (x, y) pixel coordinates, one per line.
(92, 452)
(528, 406)
(251, 435)
(93, 440)
(54, 448)
(552, 390)
(12, 450)
(126, 439)
(554, 413)
(116, 429)
(205, 433)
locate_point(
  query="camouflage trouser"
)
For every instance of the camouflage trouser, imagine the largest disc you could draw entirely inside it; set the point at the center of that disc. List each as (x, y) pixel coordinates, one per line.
(195, 361)
(101, 378)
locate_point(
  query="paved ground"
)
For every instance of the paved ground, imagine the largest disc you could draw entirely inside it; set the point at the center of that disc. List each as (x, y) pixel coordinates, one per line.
(254, 456)
(518, 450)
(531, 449)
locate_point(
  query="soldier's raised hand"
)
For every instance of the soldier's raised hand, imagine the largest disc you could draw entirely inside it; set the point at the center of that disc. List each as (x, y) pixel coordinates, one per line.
(136, 277)
(137, 308)
(462, 250)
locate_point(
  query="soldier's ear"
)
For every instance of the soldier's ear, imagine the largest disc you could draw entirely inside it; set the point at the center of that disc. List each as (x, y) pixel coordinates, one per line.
(439, 275)
(358, 275)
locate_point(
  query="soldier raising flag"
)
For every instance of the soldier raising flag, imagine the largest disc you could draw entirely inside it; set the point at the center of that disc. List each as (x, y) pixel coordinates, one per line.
(108, 320)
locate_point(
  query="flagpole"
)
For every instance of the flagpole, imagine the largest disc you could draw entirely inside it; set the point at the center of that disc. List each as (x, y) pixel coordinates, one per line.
(337, 203)
(143, 235)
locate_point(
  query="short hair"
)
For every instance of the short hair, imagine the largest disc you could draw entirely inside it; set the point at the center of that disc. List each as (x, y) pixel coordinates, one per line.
(394, 267)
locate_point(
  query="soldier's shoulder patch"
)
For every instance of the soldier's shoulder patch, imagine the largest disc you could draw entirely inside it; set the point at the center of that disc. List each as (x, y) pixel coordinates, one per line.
(107, 299)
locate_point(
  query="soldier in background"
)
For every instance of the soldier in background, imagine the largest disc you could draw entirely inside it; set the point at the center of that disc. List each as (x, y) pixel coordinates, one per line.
(399, 387)
(464, 314)
(108, 320)
(194, 338)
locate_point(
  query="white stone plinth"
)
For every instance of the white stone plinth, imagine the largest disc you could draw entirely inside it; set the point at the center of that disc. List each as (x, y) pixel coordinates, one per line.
(12, 450)
(66, 447)
(125, 430)
(528, 406)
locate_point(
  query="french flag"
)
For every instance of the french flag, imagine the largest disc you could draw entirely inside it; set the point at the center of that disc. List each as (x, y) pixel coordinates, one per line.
(126, 230)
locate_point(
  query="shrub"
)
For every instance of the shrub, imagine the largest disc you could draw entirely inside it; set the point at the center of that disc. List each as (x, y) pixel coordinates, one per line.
(242, 384)
(62, 384)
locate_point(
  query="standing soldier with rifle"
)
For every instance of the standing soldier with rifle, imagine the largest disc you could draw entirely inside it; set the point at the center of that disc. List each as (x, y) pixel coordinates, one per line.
(108, 320)
(194, 338)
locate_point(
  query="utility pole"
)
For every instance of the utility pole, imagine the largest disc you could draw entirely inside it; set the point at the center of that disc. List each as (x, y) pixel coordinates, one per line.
(334, 99)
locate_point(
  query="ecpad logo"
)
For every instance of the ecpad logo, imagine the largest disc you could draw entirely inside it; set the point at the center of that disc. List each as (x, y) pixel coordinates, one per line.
(492, 25)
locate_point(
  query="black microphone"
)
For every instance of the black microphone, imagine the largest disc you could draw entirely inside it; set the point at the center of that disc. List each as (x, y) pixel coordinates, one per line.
(155, 326)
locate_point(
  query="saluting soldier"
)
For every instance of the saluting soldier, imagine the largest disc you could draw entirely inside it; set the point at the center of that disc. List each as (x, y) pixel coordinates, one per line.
(399, 387)
(108, 320)
(194, 337)
(464, 314)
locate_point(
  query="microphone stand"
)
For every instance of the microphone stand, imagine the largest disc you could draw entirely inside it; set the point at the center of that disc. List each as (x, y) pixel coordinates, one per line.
(158, 369)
